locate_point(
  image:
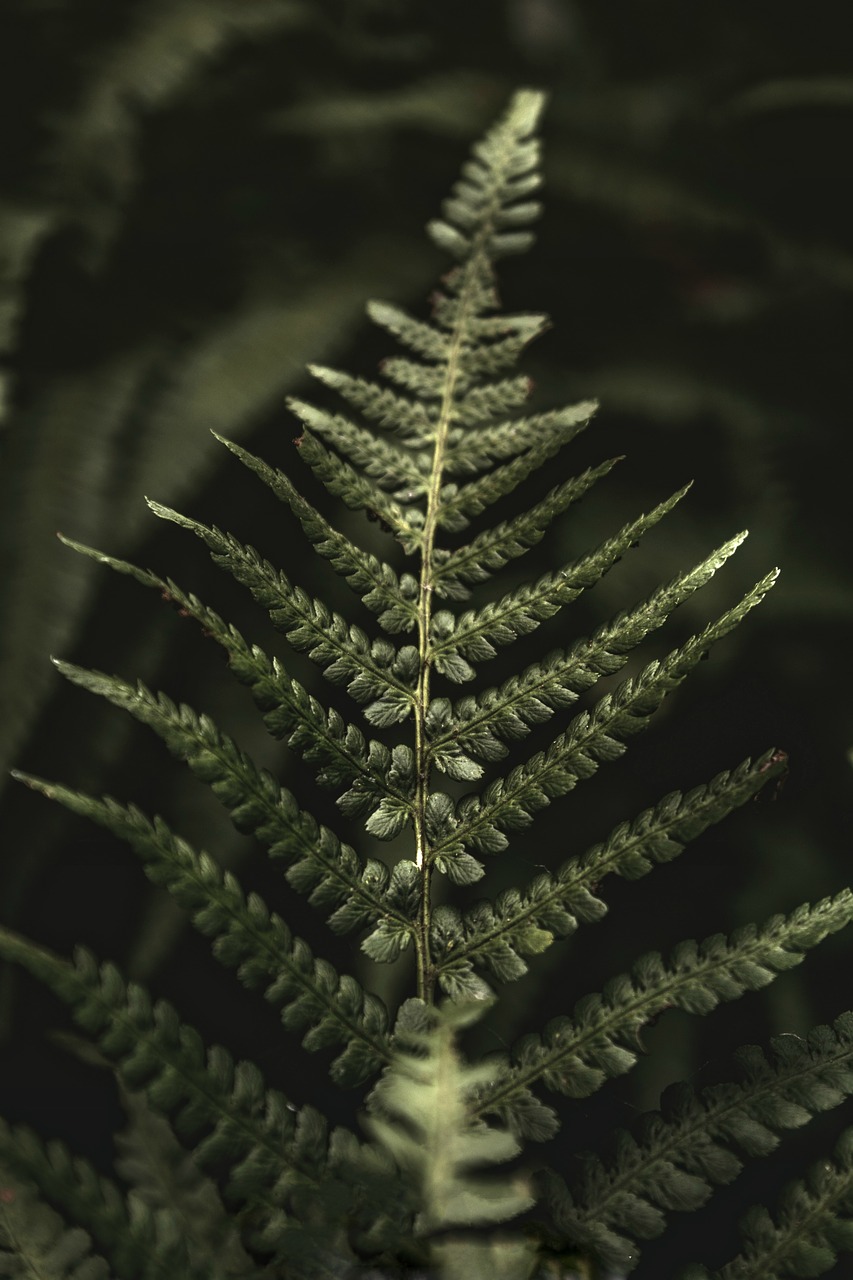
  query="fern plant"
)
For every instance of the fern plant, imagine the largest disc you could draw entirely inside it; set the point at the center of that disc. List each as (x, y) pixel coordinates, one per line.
(240, 1183)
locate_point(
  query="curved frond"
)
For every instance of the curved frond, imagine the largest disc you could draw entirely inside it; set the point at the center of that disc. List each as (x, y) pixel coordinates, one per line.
(673, 1158)
(244, 1187)
(576, 1056)
(246, 936)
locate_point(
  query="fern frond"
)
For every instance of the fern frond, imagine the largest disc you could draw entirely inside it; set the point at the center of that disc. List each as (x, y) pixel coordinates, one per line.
(246, 936)
(360, 493)
(473, 636)
(337, 748)
(591, 737)
(483, 216)
(476, 448)
(36, 1244)
(137, 1242)
(477, 724)
(395, 600)
(376, 673)
(411, 420)
(330, 871)
(388, 463)
(459, 504)
(674, 1158)
(495, 547)
(576, 1057)
(525, 923)
(165, 1178)
(813, 1226)
(421, 1113)
(272, 1153)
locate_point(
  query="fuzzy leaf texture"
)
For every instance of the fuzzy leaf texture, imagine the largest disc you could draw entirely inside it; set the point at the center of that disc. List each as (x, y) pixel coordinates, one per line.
(227, 1178)
(422, 1116)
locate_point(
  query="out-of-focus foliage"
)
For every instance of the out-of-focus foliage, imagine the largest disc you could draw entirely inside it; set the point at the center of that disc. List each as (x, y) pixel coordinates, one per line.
(194, 199)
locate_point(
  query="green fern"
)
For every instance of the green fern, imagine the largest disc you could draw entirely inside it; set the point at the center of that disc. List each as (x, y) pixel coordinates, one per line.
(277, 1194)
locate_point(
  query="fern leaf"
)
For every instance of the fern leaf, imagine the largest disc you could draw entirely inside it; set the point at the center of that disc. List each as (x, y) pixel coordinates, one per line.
(246, 936)
(371, 671)
(577, 1057)
(411, 420)
(475, 633)
(459, 505)
(495, 547)
(388, 463)
(511, 335)
(374, 580)
(482, 215)
(477, 724)
(258, 804)
(337, 748)
(673, 1158)
(271, 1152)
(360, 493)
(36, 1244)
(166, 1178)
(422, 1116)
(525, 923)
(476, 448)
(590, 738)
(813, 1226)
(137, 1242)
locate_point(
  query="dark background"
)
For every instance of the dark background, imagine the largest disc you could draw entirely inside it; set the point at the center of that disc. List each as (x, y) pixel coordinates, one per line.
(195, 200)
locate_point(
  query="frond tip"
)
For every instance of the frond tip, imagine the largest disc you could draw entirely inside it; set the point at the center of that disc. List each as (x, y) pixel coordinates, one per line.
(489, 207)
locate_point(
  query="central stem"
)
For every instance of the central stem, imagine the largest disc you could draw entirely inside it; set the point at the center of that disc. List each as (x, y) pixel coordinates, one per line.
(423, 853)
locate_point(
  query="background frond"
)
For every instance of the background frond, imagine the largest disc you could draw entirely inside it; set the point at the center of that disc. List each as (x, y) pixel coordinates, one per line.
(35, 1244)
(135, 1239)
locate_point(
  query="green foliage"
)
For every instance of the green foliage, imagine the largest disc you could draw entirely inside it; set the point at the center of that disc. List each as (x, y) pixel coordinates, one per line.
(260, 1188)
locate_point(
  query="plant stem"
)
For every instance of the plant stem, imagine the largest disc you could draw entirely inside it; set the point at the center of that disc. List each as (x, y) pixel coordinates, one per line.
(423, 853)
